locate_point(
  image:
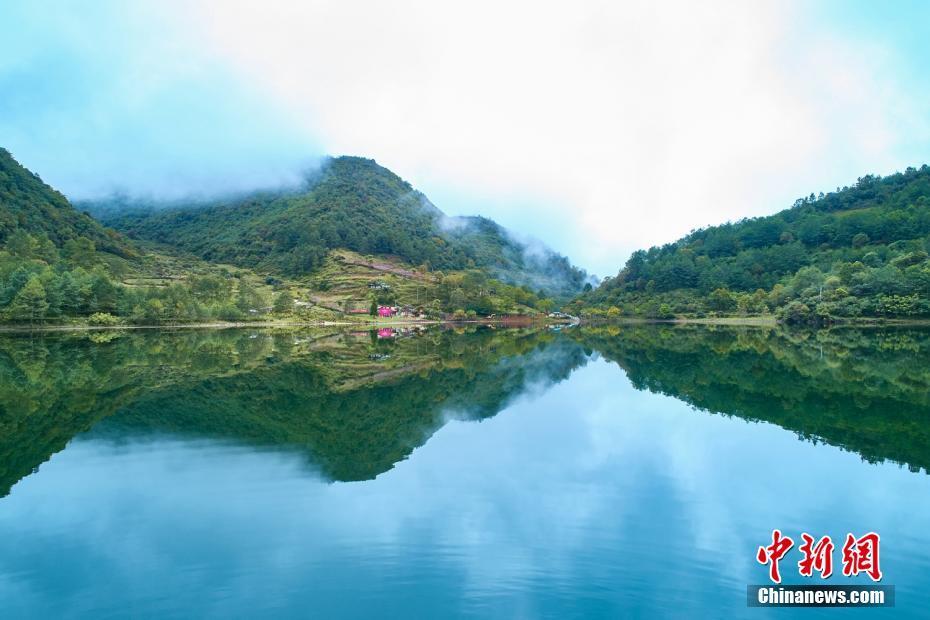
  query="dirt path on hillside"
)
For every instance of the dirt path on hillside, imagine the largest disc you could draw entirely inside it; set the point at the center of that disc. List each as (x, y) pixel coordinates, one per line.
(387, 268)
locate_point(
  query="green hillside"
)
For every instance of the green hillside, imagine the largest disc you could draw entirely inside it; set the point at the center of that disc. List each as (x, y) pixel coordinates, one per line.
(58, 265)
(36, 220)
(351, 203)
(271, 256)
(861, 251)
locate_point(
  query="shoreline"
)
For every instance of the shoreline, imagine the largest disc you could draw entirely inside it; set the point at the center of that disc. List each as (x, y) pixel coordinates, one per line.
(269, 324)
(760, 321)
(734, 321)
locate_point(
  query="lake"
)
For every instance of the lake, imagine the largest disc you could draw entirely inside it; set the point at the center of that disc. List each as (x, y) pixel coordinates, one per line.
(597, 472)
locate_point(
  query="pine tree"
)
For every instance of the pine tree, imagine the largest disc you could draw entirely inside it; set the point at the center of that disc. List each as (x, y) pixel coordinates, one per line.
(30, 303)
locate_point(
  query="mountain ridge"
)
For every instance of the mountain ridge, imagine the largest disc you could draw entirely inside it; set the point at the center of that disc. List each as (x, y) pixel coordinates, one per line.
(861, 251)
(351, 203)
(278, 255)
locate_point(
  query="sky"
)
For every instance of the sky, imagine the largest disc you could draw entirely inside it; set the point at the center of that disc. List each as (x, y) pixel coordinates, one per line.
(596, 127)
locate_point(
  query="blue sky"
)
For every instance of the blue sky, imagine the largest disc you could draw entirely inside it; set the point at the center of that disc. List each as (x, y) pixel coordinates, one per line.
(97, 98)
(598, 127)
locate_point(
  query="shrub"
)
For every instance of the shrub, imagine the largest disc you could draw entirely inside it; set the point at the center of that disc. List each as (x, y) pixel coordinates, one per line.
(103, 319)
(794, 313)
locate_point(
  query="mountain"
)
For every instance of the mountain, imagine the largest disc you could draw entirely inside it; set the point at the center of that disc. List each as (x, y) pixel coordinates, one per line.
(861, 251)
(350, 203)
(30, 207)
(59, 264)
(285, 255)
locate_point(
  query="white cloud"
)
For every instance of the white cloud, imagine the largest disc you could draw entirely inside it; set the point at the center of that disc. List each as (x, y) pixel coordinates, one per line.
(600, 127)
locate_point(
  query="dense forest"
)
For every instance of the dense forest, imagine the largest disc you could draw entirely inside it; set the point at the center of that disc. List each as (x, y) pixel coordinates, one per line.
(350, 203)
(861, 251)
(36, 219)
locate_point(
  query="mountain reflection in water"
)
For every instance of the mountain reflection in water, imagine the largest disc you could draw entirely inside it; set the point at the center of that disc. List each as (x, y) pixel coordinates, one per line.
(354, 404)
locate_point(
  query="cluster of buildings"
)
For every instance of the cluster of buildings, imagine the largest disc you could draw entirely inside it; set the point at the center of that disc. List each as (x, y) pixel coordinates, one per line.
(401, 311)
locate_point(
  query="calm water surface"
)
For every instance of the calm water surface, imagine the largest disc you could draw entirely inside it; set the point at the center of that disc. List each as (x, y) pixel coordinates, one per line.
(509, 473)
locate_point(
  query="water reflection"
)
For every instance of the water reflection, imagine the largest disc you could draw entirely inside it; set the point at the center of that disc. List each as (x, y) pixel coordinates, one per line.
(865, 390)
(357, 403)
(354, 403)
(198, 475)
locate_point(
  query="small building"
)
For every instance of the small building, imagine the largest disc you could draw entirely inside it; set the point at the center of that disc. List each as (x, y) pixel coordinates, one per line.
(386, 311)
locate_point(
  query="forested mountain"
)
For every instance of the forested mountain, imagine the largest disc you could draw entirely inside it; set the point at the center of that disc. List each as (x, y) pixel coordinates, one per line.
(270, 254)
(59, 264)
(54, 260)
(37, 220)
(351, 203)
(858, 251)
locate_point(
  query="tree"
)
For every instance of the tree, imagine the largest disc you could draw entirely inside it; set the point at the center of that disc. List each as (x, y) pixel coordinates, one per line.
(14, 284)
(721, 300)
(248, 298)
(81, 251)
(859, 240)
(21, 244)
(795, 313)
(70, 294)
(154, 311)
(282, 303)
(210, 288)
(30, 303)
(104, 293)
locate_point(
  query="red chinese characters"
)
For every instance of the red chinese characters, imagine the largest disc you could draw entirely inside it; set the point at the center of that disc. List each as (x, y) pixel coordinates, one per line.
(773, 553)
(860, 555)
(817, 557)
